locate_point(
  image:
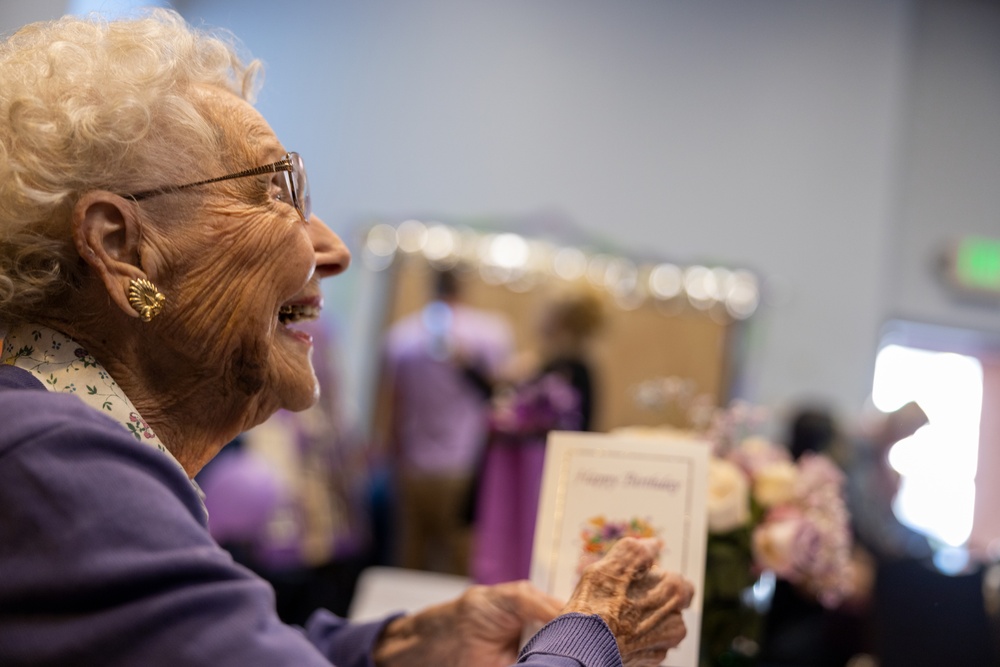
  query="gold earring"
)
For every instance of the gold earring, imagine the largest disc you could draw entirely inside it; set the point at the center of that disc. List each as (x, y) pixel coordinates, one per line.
(145, 298)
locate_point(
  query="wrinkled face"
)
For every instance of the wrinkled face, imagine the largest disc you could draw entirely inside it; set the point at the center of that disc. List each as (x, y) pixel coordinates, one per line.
(239, 275)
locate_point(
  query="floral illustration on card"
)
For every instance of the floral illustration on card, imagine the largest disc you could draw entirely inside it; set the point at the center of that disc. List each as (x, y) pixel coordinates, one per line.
(599, 534)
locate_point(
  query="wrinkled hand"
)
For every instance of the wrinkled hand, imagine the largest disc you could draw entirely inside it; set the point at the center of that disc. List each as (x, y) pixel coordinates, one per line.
(482, 628)
(639, 601)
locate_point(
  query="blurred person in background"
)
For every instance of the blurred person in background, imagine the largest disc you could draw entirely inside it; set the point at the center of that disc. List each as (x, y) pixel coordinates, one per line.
(551, 387)
(435, 417)
(873, 485)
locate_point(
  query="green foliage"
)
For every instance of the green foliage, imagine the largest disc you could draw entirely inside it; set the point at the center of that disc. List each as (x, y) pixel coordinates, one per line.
(725, 618)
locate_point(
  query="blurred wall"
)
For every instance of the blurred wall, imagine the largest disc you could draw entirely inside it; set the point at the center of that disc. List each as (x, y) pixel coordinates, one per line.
(827, 145)
(14, 14)
(949, 181)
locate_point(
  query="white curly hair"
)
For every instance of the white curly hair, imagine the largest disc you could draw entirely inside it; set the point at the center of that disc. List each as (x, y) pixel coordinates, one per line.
(90, 104)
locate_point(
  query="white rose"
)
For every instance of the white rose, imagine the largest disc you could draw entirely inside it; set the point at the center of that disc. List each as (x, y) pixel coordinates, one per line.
(774, 483)
(728, 497)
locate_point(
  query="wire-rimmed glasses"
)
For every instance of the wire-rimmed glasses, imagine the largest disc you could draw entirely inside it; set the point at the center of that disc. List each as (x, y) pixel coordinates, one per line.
(296, 183)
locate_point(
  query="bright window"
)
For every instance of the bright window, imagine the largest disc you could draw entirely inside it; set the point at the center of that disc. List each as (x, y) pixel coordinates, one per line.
(938, 463)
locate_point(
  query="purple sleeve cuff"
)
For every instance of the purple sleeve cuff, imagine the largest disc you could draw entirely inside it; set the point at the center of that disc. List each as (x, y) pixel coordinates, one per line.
(345, 644)
(585, 639)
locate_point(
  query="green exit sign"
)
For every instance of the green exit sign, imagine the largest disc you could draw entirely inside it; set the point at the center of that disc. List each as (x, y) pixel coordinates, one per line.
(971, 265)
(977, 263)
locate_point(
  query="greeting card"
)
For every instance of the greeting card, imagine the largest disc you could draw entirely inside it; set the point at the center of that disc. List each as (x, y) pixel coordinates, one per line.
(598, 488)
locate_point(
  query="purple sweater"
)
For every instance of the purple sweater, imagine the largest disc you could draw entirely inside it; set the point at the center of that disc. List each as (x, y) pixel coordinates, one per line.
(105, 559)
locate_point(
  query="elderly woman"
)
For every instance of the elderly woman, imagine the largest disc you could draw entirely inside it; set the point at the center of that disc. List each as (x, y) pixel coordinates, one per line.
(157, 249)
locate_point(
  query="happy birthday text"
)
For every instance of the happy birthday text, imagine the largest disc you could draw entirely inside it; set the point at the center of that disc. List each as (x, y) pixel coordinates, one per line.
(612, 481)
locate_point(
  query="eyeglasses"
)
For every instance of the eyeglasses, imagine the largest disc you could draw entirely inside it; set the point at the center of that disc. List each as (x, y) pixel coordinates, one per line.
(295, 183)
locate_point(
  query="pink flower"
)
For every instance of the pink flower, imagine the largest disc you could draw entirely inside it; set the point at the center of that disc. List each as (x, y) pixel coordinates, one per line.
(786, 542)
(818, 473)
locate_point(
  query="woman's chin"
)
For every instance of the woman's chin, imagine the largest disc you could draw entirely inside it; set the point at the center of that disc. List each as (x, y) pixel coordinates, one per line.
(300, 395)
(295, 386)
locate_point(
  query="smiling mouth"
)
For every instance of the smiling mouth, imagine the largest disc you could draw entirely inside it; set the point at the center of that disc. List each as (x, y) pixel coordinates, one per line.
(290, 314)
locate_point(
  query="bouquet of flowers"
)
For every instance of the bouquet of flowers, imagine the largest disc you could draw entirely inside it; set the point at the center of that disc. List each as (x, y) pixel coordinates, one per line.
(767, 513)
(795, 514)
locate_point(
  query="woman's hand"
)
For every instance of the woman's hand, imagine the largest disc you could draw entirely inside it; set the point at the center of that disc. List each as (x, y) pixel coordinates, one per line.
(482, 627)
(640, 602)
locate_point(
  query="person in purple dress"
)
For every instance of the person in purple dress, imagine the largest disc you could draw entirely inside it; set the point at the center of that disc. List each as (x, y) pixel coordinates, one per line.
(157, 253)
(557, 394)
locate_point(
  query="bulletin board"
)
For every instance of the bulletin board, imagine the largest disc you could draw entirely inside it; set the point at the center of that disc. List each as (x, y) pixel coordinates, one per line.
(635, 346)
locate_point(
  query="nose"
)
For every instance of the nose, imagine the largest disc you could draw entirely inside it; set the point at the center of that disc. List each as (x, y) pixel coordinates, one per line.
(332, 256)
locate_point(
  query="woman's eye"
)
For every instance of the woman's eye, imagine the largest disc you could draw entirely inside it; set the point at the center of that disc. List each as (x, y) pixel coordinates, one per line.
(278, 191)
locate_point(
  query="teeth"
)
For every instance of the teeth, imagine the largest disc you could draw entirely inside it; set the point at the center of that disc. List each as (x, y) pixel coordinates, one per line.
(297, 312)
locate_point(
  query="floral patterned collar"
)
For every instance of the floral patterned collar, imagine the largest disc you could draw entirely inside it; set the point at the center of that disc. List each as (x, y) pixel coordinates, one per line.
(63, 366)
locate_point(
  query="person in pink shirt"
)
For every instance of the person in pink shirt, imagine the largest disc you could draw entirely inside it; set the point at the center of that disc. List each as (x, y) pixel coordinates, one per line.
(434, 362)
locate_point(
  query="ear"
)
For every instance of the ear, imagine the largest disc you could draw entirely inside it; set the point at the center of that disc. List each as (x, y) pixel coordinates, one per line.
(107, 232)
